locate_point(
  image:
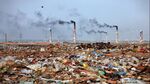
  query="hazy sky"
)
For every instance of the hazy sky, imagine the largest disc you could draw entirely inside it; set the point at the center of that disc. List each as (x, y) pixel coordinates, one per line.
(18, 16)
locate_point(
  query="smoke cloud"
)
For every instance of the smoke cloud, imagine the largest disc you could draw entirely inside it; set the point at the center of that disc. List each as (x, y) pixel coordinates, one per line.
(20, 26)
(95, 32)
(105, 25)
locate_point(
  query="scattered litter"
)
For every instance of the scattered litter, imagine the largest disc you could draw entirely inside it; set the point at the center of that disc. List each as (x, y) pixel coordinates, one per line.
(92, 63)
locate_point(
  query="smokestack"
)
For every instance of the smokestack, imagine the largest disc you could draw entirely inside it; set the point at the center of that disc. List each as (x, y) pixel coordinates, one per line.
(5, 37)
(74, 31)
(141, 36)
(50, 35)
(117, 34)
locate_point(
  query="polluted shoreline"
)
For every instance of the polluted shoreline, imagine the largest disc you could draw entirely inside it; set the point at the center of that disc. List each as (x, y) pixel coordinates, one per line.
(74, 63)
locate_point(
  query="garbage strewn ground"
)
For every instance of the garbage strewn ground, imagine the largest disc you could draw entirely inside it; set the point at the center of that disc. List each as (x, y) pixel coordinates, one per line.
(84, 63)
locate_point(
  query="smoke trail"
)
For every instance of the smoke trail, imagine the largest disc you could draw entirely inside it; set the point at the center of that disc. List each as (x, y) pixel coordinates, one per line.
(108, 26)
(94, 21)
(102, 32)
(93, 31)
(45, 23)
(63, 22)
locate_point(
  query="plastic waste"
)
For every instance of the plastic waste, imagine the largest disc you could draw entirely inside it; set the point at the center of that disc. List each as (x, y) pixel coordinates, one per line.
(57, 65)
(101, 72)
(122, 73)
(106, 61)
(34, 66)
(97, 54)
(132, 64)
(8, 58)
(25, 82)
(85, 65)
(131, 81)
(135, 59)
(42, 49)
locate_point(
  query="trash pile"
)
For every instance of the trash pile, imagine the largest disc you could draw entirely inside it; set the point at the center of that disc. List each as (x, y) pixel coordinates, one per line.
(66, 63)
(98, 45)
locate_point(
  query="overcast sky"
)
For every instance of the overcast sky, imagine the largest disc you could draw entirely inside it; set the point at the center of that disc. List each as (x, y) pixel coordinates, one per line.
(18, 16)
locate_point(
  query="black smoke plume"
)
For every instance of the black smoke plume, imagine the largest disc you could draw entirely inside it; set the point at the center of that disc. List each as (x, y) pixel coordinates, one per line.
(95, 32)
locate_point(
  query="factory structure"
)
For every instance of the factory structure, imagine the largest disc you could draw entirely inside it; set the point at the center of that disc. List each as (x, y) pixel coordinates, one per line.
(74, 31)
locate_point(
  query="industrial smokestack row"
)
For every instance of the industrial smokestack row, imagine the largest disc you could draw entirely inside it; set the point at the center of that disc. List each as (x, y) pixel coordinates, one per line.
(74, 30)
(65, 22)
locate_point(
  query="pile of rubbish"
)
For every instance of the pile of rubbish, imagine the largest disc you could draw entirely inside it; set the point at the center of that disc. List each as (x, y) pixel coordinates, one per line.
(98, 45)
(67, 64)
